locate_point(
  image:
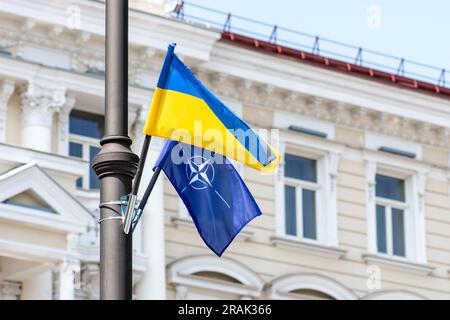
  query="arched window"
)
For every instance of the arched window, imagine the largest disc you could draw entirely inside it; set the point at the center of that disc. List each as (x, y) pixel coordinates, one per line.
(308, 286)
(393, 295)
(207, 277)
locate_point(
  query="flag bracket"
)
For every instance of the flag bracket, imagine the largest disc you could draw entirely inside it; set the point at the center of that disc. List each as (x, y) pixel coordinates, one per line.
(130, 214)
(135, 215)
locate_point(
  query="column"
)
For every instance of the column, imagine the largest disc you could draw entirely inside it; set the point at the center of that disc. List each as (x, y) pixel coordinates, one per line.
(63, 126)
(40, 101)
(69, 268)
(10, 290)
(67, 271)
(6, 91)
(90, 278)
(153, 282)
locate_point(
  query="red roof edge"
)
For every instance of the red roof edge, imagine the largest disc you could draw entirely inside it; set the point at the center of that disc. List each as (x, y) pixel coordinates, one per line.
(337, 65)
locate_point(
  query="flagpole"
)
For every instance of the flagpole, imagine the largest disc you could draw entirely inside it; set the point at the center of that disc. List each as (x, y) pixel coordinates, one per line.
(115, 165)
(142, 159)
(128, 220)
(145, 197)
(132, 199)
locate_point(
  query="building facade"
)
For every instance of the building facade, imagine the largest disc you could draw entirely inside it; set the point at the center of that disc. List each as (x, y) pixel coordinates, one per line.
(359, 208)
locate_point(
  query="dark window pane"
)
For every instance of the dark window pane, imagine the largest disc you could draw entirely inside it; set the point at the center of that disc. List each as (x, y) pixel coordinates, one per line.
(309, 214)
(75, 150)
(398, 232)
(390, 188)
(381, 229)
(86, 124)
(290, 203)
(300, 168)
(94, 183)
(80, 183)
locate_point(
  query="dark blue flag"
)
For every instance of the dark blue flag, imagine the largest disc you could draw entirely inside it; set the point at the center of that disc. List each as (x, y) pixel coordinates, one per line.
(212, 190)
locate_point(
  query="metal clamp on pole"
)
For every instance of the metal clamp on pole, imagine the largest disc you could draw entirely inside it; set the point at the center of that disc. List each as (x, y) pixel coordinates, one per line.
(130, 214)
(112, 203)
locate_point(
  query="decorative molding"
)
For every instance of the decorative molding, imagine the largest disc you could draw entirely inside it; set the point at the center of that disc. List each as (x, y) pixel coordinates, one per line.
(144, 58)
(73, 241)
(183, 273)
(70, 215)
(282, 287)
(63, 125)
(90, 281)
(308, 247)
(10, 290)
(371, 170)
(333, 160)
(67, 166)
(39, 102)
(266, 95)
(69, 266)
(56, 31)
(398, 264)
(421, 182)
(7, 88)
(393, 295)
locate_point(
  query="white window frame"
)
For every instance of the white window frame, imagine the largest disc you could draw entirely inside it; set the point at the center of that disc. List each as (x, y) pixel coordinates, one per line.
(414, 174)
(327, 154)
(86, 143)
(299, 186)
(388, 205)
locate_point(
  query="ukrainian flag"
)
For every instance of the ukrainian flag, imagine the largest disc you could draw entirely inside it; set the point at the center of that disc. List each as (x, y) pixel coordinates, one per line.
(183, 109)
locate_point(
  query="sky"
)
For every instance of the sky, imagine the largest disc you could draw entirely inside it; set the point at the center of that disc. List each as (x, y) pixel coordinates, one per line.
(416, 30)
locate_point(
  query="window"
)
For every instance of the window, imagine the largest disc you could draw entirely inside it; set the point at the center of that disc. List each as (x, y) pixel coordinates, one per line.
(305, 195)
(390, 215)
(85, 129)
(396, 208)
(300, 186)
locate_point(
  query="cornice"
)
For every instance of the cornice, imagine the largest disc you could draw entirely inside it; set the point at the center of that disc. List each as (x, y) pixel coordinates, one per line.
(85, 48)
(344, 114)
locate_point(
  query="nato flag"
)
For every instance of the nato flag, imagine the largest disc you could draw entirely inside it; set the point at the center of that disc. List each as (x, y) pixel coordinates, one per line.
(212, 190)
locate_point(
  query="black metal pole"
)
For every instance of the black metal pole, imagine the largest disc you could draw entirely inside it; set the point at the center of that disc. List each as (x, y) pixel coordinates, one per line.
(142, 159)
(115, 165)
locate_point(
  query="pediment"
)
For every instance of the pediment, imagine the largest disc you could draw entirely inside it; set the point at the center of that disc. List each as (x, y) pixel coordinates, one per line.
(30, 199)
(29, 195)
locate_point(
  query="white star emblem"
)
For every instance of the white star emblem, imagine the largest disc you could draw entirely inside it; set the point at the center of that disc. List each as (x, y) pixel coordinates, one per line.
(200, 172)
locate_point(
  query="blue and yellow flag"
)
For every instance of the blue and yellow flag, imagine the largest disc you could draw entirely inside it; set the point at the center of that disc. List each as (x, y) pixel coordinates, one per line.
(184, 110)
(216, 197)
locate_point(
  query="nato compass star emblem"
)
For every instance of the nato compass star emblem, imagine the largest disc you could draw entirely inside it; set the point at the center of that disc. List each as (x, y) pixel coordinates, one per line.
(200, 173)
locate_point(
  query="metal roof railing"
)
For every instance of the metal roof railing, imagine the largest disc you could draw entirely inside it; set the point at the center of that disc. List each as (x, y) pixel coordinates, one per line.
(230, 23)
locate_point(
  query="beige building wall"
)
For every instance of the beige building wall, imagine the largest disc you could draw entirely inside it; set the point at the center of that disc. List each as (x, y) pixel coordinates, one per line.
(352, 271)
(267, 88)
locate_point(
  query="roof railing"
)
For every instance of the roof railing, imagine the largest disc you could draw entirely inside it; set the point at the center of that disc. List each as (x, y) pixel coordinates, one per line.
(231, 23)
